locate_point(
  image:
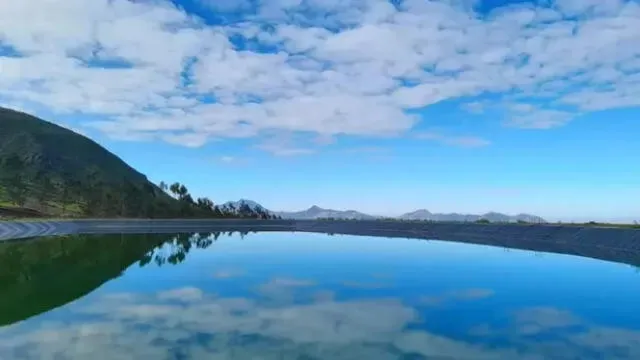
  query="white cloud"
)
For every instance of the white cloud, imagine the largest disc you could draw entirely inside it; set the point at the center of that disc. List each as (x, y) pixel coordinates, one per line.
(528, 116)
(337, 67)
(460, 141)
(475, 107)
(190, 139)
(227, 159)
(284, 144)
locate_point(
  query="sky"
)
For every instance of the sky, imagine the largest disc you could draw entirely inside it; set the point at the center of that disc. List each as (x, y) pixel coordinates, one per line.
(374, 105)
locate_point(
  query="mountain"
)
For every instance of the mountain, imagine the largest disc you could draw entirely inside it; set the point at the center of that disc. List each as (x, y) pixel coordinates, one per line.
(528, 218)
(57, 171)
(316, 212)
(491, 216)
(237, 204)
(48, 170)
(243, 207)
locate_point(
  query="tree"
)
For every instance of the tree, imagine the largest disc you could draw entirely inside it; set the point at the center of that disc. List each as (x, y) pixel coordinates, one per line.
(183, 193)
(217, 212)
(163, 186)
(205, 204)
(175, 189)
(187, 199)
(180, 191)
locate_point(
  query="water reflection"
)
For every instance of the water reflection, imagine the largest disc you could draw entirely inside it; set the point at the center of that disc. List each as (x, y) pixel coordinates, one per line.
(232, 302)
(37, 276)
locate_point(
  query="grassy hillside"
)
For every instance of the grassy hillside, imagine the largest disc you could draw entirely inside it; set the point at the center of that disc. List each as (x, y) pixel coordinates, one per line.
(47, 170)
(57, 171)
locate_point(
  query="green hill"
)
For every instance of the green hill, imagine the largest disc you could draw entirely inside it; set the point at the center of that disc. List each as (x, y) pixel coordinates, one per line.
(56, 171)
(48, 170)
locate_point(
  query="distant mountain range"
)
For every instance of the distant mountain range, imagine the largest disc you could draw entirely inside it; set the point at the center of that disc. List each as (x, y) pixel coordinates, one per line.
(491, 216)
(316, 212)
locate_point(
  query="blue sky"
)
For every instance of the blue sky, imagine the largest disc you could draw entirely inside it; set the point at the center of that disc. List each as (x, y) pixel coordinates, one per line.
(383, 107)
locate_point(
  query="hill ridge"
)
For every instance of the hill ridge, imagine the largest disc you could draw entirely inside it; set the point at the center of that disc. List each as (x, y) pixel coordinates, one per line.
(52, 170)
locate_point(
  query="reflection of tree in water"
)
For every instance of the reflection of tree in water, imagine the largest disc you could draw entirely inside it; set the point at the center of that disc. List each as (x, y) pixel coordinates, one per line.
(175, 250)
(41, 274)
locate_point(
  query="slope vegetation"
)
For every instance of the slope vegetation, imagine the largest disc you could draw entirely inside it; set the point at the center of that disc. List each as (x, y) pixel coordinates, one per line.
(47, 170)
(57, 171)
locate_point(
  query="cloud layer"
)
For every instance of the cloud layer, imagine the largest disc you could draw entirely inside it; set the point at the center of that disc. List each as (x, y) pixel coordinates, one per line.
(150, 70)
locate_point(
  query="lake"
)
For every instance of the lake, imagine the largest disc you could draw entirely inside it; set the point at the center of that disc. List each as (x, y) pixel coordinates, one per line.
(308, 296)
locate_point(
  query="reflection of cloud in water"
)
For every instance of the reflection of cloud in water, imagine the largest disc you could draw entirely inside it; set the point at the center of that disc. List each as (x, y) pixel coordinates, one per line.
(323, 295)
(364, 285)
(534, 320)
(186, 294)
(236, 328)
(120, 297)
(456, 295)
(189, 323)
(228, 273)
(381, 275)
(557, 334)
(282, 289)
(290, 282)
(616, 340)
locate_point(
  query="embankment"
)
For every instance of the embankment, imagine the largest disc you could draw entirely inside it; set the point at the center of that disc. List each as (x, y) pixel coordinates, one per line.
(611, 244)
(12, 230)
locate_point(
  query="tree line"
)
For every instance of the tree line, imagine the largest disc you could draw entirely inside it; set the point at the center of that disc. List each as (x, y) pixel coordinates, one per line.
(180, 192)
(94, 193)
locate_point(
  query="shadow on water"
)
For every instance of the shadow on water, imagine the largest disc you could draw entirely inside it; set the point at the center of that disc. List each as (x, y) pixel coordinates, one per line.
(39, 275)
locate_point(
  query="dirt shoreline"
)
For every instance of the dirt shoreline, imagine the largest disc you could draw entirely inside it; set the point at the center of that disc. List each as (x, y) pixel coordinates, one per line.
(611, 244)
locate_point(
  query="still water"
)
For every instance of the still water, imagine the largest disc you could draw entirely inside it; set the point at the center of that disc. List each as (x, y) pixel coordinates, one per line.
(308, 296)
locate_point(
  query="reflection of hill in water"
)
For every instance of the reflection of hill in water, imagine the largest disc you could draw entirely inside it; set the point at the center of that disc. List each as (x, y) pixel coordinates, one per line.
(42, 274)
